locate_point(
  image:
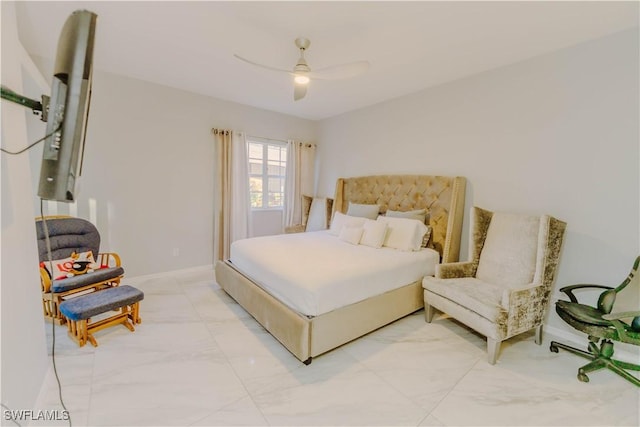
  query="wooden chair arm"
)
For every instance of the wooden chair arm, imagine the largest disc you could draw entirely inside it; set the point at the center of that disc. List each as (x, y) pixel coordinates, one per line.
(568, 290)
(45, 280)
(109, 259)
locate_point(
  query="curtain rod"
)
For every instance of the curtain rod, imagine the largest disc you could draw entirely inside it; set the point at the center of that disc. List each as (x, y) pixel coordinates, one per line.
(308, 144)
(265, 137)
(216, 130)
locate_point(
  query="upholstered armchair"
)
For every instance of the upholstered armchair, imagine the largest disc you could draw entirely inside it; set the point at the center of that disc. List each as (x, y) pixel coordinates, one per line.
(316, 215)
(68, 237)
(504, 289)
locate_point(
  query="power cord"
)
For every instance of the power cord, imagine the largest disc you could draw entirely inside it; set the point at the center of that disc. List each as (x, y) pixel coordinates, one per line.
(13, 153)
(53, 323)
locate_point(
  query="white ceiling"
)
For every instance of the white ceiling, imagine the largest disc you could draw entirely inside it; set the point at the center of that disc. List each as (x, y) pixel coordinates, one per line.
(410, 45)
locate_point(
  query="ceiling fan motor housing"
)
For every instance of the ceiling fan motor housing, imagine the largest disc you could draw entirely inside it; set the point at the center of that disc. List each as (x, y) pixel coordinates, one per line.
(302, 43)
(302, 66)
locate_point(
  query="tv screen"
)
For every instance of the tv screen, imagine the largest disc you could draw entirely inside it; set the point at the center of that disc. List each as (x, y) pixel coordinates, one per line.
(68, 108)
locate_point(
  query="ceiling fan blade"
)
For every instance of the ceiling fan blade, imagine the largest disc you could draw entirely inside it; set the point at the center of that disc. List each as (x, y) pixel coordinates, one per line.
(343, 71)
(262, 65)
(299, 91)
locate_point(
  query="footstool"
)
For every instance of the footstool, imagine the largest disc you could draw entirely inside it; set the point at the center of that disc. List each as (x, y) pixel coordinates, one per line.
(79, 310)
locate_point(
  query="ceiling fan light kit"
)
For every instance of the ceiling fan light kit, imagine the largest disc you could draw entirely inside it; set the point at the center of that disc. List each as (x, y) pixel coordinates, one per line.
(302, 73)
(301, 79)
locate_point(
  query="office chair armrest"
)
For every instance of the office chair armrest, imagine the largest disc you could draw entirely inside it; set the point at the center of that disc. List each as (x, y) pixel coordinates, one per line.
(45, 280)
(456, 270)
(109, 259)
(621, 315)
(568, 290)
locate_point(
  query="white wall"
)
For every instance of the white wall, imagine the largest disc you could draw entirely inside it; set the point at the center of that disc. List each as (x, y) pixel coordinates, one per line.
(556, 134)
(23, 351)
(266, 222)
(149, 167)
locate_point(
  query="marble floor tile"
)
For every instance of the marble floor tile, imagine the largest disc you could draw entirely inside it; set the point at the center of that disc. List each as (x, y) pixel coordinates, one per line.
(334, 390)
(506, 395)
(422, 369)
(243, 412)
(158, 286)
(198, 359)
(76, 399)
(431, 421)
(161, 401)
(164, 308)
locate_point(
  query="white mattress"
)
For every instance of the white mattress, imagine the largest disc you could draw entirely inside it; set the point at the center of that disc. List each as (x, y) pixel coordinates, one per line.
(316, 272)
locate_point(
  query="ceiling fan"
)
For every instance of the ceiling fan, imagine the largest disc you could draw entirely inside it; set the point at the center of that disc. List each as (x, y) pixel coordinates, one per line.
(302, 73)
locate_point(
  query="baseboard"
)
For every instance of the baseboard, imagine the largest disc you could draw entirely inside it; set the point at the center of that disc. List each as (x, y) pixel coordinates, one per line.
(138, 279)
(564, 335)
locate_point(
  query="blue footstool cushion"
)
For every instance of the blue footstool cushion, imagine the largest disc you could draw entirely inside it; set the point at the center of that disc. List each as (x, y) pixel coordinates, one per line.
(86, 306)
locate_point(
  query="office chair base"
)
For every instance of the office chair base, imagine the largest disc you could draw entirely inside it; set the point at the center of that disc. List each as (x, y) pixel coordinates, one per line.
(601, 359)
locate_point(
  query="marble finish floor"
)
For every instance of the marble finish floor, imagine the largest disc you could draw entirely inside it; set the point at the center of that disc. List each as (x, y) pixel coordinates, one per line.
(198, 359)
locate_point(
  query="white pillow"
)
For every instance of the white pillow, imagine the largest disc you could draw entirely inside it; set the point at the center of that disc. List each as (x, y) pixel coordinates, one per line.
(419, 214)
(341, 220)
(373, 233)
(365, 211)
(351, 235)
(404, 233)
(317, 215)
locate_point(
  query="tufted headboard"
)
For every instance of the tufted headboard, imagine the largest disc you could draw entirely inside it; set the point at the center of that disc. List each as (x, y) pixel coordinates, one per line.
(442, 196)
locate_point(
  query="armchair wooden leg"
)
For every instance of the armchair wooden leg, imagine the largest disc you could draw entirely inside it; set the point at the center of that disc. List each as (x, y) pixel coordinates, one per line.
(538, 338)
(493, 348)
(429, 311)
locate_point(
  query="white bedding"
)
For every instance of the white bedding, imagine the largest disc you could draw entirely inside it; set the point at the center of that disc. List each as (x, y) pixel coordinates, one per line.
(315, 272)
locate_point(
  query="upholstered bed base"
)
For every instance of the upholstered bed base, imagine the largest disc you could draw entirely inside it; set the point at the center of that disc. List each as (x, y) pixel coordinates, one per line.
(308, 337)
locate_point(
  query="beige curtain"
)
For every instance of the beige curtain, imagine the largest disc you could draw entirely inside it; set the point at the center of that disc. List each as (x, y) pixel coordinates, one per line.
(231, 191)
(308, 169)
(291, 214)
(300, 179)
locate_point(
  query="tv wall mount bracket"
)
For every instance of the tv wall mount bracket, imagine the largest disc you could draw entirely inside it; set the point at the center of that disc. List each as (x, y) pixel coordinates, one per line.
(38, 107)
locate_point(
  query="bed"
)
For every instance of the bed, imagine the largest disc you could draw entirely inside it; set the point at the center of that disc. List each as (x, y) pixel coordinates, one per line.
(321, 325)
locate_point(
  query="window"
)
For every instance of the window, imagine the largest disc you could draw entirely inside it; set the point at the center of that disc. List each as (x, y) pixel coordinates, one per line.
(267, 171)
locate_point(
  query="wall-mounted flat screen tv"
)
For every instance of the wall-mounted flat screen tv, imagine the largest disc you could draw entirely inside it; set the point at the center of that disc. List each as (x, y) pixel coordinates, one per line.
(68, 109)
